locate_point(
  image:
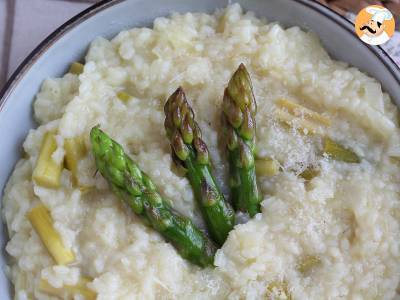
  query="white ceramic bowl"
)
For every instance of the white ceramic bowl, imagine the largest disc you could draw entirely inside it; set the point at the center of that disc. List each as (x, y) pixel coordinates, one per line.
(69, 43)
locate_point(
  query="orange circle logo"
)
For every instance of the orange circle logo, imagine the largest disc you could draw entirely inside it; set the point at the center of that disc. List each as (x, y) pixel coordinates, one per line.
(375, 25)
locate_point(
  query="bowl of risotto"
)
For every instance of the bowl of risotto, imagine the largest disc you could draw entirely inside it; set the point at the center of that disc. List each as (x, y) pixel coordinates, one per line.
(201, 150)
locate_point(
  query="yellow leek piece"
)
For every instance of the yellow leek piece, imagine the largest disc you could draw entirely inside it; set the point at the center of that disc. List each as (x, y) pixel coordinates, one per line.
(267, 167)
(75, 150)
(339, 152)
(307, 263)
(76, 68)
(43, 224)
(47, 172)
(123, 96)
(69, 290)
(278, 290)
(304, 126)
(301, 111)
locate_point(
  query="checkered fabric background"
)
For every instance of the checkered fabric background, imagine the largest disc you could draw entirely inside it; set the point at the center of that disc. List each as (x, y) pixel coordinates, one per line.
(25, 23)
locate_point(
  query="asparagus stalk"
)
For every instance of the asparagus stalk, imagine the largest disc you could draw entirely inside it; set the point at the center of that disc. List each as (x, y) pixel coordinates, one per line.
(138, 191)
(239, 109)
(190, 152)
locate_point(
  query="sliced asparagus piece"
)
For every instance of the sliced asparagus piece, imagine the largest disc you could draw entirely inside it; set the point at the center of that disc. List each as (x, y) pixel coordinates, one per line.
(307, 263)
(69, 291)
(75, 150)
(267, 167)
(47, 172)
(124, 96)
(76, 68)
(278, 290)
(338, 152)
(310, 173)
(138, 191)
(190, 152)
(303, 112)
(303, 126)
(43, 224)
(239, 109)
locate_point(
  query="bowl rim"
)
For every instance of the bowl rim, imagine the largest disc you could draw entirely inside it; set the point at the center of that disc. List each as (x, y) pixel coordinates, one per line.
(53, 37)
(23, 68)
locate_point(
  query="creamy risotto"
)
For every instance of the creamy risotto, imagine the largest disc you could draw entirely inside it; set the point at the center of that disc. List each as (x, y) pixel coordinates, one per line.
(335, 235)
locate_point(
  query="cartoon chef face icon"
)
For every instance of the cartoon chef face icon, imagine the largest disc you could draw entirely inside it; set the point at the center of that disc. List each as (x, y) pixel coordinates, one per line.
(373, 25)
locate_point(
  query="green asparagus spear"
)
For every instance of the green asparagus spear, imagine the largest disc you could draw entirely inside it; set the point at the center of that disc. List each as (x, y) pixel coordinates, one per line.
(190, 152)
(239, 107)
(138, 191)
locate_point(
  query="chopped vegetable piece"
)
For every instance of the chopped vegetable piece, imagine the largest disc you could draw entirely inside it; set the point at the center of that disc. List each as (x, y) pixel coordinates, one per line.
(338, 152)
(398, 117)
(76, 68)
(221, 23)
(307, 263)
(310, 173)
(86, 189)
(301, 111)
(47, 172)
(43, 224)
(123, 96)
(304, 126)
(75, 150)
(267, 167)
(69, 291)
(277, 290)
